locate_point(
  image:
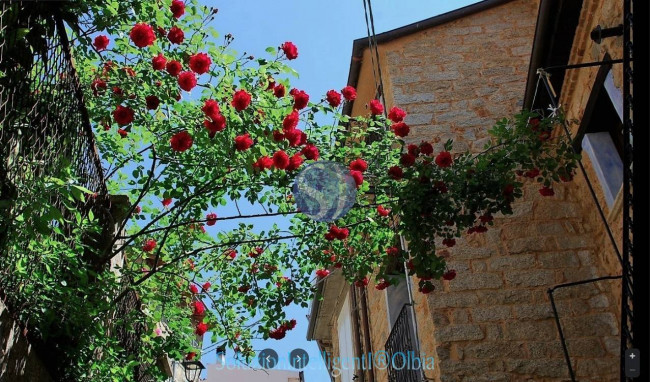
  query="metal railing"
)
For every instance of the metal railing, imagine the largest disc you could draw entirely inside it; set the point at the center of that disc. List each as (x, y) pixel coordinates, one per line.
(401, 349)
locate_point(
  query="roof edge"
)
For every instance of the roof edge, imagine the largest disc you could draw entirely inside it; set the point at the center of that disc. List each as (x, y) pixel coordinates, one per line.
(360, 44)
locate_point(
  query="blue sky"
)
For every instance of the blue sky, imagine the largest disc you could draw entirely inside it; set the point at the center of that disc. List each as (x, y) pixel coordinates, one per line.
(324, 32)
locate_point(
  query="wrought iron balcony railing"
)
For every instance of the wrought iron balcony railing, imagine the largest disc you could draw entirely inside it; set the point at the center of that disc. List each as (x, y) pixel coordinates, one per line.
(402, 349)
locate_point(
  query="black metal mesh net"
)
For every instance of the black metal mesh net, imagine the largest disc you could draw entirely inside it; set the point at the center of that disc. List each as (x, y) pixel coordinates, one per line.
(44, 129)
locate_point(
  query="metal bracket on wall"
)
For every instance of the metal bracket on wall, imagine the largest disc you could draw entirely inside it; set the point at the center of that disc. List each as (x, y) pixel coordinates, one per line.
(557, 317)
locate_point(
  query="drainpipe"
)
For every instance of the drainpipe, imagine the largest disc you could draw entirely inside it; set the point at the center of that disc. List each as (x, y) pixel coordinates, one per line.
(414, 321)
(366, 330)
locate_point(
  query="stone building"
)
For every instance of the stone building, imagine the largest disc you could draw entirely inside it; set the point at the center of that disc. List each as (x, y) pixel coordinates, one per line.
(456, 74)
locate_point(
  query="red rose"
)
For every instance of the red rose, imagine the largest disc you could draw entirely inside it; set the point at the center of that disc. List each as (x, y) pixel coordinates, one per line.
(123, 115)
(255, 253)
(101, 42)
(333, 98)
(200, 63)
(361, 283)
(98, 86)
(426, 288)
(181, 141)
(290, 121)
(532, 173)
(449, 275)
(295, 162)
(263, 163)
(137, 209)
(129, 71)
(206, 285)
(187, 81)
(231, 254)
(210, 108)
(426, 148)
(358, 177)
(290, 50)
(382, 211)
(400, 129)
(310, 152)
(277, 334)
(243, 142)
(300, 99)
(280, 160)
(152, 102)
(199, 307)
(382, 284)
(174, 67)
(277, 136)
(294, 137)
(477, 229)
(240, 100)
(190, 356)
(149, 245)
(444, 159)
(339, 233)
(413, 149)
(449, 242)
(279, 90)
(407, 160)
(546, 191)
(211, 219)
(486, 218)
(322, 273)
(410, 265)
(166, 202)
(359, 165)
(396, 173)
(201, 328)
(176, 35)
(218, 123)
(440, 186)
(566, 178)
(142, 35)
(158, 62)
(177, 8)
(376, 107)
(108, 66)
(349, 93)
(396, 114)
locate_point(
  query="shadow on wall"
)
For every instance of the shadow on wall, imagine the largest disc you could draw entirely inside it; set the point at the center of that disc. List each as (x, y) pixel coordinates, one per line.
(18, 360)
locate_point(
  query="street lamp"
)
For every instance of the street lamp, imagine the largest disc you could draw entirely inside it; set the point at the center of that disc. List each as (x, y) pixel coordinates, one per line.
(192, 370)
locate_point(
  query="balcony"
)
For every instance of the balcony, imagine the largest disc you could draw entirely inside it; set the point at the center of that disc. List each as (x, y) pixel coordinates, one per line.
(402, 348)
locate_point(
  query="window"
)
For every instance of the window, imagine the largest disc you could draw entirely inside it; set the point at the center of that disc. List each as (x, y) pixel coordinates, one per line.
(346, 349)
(396, 297)
(600, 136)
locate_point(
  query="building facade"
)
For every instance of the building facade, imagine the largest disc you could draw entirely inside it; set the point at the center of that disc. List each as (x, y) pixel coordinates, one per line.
(218, 373)
(455, 75)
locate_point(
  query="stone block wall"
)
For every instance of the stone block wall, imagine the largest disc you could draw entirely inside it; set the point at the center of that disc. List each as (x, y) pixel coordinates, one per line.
(576, 90)
(494, 322)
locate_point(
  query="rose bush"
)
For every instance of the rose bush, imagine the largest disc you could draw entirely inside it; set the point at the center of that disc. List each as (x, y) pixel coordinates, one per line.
(189, 127)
